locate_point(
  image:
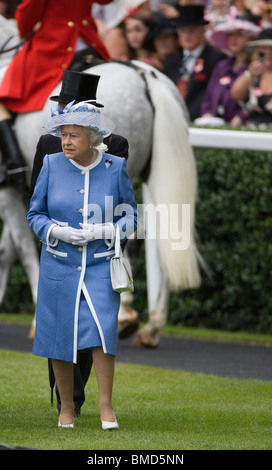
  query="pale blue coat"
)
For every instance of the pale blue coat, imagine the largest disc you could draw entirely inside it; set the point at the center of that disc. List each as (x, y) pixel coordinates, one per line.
(76, 306)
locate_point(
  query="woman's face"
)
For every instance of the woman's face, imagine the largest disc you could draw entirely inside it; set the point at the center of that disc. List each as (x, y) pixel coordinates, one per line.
(166, 44)
(75, 143)
(136, 32)
(237, 41)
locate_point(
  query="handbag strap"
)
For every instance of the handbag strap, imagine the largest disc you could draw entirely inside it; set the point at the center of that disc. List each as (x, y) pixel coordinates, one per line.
(117, 240)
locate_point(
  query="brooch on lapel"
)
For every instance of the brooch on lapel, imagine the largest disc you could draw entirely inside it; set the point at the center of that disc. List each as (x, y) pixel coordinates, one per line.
(199, 66)
(200, 75)
(108, 163)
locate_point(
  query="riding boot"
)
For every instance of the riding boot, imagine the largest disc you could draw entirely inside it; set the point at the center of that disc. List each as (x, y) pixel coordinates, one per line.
(14, 161)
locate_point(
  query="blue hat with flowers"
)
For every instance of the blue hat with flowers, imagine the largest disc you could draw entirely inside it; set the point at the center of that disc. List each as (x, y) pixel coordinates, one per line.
(82, 114)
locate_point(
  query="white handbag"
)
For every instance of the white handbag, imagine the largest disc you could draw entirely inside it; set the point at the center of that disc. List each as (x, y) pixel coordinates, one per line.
(121, 274)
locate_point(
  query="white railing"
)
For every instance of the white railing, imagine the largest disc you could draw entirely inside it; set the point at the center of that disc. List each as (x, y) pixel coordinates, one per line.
(221, 138)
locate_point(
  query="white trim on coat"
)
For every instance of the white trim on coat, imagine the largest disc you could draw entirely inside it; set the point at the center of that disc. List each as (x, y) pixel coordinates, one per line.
(88, 167)
(83, 263)
(63, 254)
(91, 307)
(55, 241)
(58, 222)
(104, 254)
(79, 289)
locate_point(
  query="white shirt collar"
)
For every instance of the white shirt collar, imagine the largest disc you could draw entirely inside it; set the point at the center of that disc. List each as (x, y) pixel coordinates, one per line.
(91, 166)
(195, 52)
(192, 57)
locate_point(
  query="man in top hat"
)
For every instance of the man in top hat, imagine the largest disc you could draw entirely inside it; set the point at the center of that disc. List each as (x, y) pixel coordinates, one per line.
(76, 86)
(192, 68)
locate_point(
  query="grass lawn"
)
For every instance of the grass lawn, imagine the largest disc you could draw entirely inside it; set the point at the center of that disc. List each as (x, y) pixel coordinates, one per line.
(157, 409)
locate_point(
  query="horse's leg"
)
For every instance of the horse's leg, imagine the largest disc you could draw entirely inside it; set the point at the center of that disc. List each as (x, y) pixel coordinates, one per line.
(127, 316)
(149, 336)
(158, 299)
(157, 290)
(7, 259)
(13, 212)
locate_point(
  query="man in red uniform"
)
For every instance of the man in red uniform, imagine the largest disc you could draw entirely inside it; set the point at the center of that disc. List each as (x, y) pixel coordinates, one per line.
(55, 32)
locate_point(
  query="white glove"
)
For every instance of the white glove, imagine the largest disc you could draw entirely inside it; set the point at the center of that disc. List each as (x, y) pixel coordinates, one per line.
(97, 231)
(68, 235)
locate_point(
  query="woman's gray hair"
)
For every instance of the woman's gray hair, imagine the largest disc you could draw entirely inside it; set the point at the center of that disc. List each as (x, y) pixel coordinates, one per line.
(96, 137)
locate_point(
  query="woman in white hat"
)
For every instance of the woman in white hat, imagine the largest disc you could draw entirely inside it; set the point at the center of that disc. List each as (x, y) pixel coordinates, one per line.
(80, 196)
(231, 37)
(254, 88)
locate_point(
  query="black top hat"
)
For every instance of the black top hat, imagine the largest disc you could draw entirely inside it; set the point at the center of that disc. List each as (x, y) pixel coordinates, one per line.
(78, 86)
(191, 15)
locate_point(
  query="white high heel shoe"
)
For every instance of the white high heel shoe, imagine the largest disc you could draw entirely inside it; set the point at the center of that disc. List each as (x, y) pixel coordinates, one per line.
(109, 424)
(71, 425)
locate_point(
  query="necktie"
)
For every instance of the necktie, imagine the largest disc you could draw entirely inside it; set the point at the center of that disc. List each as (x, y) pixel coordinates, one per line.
(184, 75)
(183, 68)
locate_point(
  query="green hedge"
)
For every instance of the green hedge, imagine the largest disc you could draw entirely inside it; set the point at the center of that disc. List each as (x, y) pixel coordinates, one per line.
(234, 226)
(18, 297)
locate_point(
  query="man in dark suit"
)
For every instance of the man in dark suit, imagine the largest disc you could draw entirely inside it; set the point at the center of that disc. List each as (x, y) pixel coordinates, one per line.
(191, 69)
(76, 86)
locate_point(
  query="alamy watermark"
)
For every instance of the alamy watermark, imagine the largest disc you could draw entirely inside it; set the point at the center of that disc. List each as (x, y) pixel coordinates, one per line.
(160, 221)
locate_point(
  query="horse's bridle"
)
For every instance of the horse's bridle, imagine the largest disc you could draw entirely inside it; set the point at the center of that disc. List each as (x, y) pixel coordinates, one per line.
(3, 51)
(141, 73)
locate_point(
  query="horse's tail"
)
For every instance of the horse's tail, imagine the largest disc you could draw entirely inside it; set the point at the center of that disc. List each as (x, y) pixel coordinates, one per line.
(173, 183)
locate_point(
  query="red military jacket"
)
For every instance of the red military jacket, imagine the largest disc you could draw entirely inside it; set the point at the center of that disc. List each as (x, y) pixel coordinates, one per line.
(38, 67)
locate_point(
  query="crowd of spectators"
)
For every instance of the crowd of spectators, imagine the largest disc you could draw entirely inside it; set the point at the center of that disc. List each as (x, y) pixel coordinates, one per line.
(217, 52)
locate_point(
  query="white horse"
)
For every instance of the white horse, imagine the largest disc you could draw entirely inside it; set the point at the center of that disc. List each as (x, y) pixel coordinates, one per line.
(148, 110)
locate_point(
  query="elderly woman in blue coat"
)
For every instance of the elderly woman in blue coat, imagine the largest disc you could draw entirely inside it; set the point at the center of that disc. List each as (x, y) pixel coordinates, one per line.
(80, 196)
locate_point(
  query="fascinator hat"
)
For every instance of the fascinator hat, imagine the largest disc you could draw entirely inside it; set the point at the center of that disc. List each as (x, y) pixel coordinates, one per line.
(82, 114)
